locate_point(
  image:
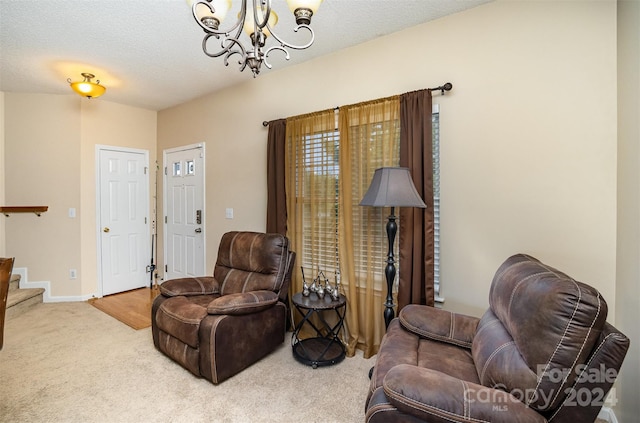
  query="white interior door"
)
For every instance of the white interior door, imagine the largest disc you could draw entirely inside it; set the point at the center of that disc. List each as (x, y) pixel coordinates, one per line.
(123, 208)
(184, 235)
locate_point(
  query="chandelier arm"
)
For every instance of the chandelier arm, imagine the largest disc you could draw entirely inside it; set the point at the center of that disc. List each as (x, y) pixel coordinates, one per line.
(294, 46)
(269, 50)
(242, 61)
(225, 49)
(261, 24)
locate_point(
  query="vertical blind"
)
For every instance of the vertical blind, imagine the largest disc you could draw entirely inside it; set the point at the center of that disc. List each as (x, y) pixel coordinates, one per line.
(435, 125)
(317, 188)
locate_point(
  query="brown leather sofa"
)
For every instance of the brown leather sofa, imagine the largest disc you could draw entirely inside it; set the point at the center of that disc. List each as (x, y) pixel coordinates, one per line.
(543, 351)
(217, 326)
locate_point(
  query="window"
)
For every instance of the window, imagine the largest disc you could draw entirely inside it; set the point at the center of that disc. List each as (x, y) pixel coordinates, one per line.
(317, 198)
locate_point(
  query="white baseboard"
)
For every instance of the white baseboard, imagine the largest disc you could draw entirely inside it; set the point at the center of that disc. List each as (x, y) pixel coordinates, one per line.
(607, 414)
(46, 285)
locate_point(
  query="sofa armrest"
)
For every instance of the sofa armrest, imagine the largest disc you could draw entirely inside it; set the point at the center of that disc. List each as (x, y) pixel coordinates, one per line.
(434, 396)
(243, 303)
(439, 325)
(205, 285)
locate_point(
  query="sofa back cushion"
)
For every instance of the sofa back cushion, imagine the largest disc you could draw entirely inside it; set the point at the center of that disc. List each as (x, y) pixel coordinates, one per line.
(538, 332)
(251, 261)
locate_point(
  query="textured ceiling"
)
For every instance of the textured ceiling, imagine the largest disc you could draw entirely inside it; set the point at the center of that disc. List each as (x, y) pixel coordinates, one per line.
(148, 52)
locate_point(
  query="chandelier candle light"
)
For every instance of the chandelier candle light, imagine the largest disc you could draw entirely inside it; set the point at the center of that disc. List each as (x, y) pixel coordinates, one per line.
(86, 87)
(258, 23)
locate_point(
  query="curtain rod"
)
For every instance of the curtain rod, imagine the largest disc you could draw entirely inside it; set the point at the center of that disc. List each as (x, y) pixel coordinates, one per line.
(442, 88)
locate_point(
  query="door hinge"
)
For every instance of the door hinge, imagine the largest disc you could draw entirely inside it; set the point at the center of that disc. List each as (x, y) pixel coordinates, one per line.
(145, 220)
(165, 268)
(145, 170)
(165, 219)
(165, 170)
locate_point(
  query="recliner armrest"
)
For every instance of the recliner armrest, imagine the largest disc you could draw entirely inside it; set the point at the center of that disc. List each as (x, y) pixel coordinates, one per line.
(439, 325)
(205, 285)
(243, 302)
(431, 395)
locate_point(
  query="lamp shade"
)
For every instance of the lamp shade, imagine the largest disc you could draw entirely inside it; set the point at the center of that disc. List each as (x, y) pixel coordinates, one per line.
(312, 5)
(221, 8)
(392, 187)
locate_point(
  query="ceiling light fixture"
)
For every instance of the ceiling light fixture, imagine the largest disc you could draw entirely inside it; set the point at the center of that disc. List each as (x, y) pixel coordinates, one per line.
(257, 23)
(86, 87)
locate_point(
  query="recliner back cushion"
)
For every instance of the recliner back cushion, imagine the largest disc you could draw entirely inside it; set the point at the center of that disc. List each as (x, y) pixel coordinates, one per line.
(539, 331)
(251, 261)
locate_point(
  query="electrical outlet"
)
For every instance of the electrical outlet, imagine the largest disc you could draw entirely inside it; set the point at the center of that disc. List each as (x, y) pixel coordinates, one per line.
(229, 213)
(73, 274)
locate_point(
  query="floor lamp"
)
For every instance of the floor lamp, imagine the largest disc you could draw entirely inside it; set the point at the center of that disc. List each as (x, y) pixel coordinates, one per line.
(391, 187)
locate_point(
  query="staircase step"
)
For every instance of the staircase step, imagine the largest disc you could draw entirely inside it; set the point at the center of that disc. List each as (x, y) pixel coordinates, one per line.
(21, 300)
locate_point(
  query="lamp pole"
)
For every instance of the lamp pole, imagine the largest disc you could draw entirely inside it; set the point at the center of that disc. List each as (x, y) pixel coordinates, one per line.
(390, 269)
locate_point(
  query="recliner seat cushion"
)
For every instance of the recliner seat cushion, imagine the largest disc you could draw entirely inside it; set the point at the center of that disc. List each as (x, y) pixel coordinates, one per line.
(400, 346)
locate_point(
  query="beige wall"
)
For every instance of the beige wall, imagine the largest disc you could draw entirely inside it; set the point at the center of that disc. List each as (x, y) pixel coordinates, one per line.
(628, 277)
(50, 149)
(528, 148)
(42, 148)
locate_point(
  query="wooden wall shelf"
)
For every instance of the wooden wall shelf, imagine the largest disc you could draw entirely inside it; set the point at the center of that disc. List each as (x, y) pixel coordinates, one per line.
(7, 210)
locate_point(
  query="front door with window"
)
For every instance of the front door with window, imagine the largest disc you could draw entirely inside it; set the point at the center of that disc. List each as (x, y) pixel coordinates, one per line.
(184, 212)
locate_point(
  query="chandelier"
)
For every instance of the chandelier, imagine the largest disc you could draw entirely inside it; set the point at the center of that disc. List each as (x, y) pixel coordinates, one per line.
(258, 23)
(86, 87)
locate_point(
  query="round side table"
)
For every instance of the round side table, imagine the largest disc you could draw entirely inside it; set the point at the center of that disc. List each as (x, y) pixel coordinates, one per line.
(325, 348)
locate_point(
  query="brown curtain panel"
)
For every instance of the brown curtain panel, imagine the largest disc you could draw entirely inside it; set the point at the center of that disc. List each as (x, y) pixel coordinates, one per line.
(276, 193)
(416, 267)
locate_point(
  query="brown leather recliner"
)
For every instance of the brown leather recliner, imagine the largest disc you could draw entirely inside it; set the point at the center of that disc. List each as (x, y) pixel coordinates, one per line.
(217, 326)
(542, 352)
(6, 266)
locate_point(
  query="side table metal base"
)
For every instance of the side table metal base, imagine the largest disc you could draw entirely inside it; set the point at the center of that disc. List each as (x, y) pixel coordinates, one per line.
(317, 352)
(325, 348)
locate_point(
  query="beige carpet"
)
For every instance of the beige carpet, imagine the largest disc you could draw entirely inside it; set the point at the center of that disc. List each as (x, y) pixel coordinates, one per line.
(69, 362)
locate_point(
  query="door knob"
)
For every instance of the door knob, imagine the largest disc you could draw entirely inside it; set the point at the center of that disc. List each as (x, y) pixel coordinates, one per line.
(198, 230)
(105, 229)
